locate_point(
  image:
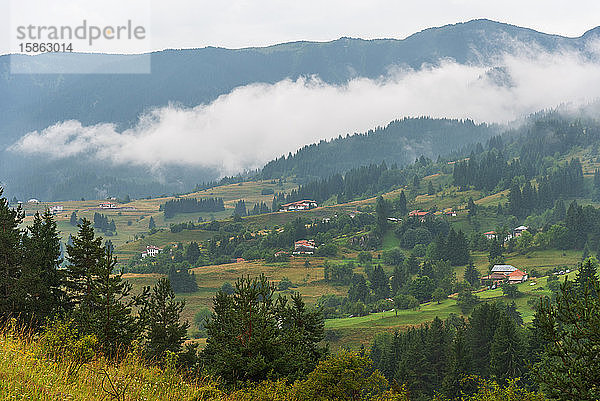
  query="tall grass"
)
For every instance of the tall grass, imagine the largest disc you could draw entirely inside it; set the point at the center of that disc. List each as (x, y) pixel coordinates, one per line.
(27, 374)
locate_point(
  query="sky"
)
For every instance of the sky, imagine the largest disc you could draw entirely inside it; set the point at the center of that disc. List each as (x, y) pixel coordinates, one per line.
(244, 23)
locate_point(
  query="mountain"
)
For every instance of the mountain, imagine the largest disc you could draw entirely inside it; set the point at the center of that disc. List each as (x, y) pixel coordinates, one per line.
(196, 76)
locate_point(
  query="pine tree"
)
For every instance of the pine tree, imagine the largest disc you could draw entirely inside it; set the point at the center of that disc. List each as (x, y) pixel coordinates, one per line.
(472, 207)
(587, 276)
(482, 326)
(506, 351)
(472, 275)
(401, 206)
(192, 252)
(380, 283)
(459, 364)
(73, 219)
(10, 255)
(109, 314)
(161, 316)
(83, 260)
(40, 286)
(151, 224)
(412, 264)
(430, 189)
(382, 211)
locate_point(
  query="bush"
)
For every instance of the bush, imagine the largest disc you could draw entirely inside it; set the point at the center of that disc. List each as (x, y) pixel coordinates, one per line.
(419, 250)
(61, 342)
(393, 257)
(200, 319)
(511, 291)
(284, 284)
(227, 288)
(327, 250)
(403, 301)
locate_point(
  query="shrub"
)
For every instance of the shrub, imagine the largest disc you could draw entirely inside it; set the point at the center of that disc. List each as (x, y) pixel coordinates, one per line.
(62, 343)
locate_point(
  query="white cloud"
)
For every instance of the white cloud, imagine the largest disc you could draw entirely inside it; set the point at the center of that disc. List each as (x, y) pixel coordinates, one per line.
(255, 123)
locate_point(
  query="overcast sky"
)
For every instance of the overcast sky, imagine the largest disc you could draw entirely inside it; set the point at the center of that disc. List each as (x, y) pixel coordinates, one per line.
(242, 23)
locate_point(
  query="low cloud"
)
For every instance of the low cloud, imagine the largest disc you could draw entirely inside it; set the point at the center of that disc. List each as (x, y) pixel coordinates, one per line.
(255, 123)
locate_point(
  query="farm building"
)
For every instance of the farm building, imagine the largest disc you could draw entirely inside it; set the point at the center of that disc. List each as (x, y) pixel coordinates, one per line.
(298, 205)
(304, 247)
(505, 273)
(151, 251)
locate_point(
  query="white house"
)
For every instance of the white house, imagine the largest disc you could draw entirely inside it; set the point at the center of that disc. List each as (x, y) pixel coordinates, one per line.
(107, 205)
(56, 209)
(151, 251)
(33, 200)
(299, 205)
(519, 230)
(490, 235)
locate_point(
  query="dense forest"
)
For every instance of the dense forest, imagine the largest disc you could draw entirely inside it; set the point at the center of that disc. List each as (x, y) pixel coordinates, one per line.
(400, 142)
(191, 205)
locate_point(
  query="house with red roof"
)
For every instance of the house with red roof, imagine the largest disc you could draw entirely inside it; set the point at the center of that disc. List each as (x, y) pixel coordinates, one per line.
(304, 247)
(517, 277)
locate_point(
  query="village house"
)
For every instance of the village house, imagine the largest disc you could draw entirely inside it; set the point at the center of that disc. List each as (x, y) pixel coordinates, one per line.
(519, 230)
(107, 205)
(450, 213)
(151, 251)
(298, 205)
(517, 277)
(420, 214)
(56, 209)
(304, 247)
(490, 235)
(505, 273)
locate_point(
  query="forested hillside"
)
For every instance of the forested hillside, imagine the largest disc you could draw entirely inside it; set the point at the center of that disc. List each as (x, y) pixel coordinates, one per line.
(399, 143)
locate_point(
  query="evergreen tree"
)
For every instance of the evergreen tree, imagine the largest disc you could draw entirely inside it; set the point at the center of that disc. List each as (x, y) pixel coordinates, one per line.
(570, 327)
(506, 351)
(10, 255)
(430, 189)
(151, 224)
(192, 252)
(435, 349)
(109, 314)
(472, 275)
(399, 278)
(40, 287)
(83, 260)
(382, 211)
(161, 315)
(73, 219)
(472, 207)
(240, 208)
(412, 264)
(182, 280)
(253, 334)
(482, 327)
(380, 283)
(587, 276)
(459, 364)
(401, 205)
